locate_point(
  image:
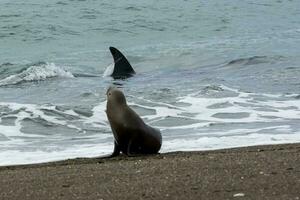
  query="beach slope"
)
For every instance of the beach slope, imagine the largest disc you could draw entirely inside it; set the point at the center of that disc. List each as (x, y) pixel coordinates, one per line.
(260, 172)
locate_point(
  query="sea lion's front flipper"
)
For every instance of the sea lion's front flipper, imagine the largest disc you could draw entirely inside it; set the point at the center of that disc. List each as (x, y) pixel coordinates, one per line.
(128, 152)
(116, 151)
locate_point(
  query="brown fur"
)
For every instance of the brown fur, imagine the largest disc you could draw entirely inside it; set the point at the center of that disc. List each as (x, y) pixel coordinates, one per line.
(132, 135)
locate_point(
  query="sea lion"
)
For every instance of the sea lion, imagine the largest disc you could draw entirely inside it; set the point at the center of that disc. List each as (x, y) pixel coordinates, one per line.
(122, 68)
(132, 135)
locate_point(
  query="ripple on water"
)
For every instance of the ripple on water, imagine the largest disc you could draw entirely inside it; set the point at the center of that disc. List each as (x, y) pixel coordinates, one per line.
(220, 105)
(175, 121)
(8, 120)
(239, 115)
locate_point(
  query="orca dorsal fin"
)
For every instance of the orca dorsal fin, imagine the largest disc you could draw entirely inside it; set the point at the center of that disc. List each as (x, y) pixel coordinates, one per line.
(122, 68)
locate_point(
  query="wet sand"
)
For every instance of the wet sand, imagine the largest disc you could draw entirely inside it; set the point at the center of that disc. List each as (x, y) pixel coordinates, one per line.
(261, 172)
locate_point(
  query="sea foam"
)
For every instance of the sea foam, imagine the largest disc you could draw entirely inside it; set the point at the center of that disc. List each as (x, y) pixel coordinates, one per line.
(192, 122)
(38, 72)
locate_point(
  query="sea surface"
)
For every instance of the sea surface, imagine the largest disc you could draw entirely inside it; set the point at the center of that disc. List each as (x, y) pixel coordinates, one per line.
(210, 74)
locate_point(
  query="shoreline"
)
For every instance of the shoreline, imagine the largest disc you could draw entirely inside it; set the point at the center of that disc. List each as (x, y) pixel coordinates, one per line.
(91, 160)
(256, 172)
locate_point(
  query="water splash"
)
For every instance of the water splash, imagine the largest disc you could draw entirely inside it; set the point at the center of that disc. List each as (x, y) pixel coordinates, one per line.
(109, 70)
(39, 72)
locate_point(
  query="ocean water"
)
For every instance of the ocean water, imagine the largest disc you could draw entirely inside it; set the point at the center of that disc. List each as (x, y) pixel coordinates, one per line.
(210, 74)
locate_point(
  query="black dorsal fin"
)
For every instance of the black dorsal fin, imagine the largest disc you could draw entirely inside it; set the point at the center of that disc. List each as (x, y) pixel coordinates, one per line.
(122, 68)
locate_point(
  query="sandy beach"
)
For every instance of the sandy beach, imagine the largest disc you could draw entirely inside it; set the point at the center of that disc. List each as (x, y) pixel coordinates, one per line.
(260, 172)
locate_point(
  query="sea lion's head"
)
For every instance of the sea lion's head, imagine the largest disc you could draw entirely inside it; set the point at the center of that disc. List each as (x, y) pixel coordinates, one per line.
(115, 97)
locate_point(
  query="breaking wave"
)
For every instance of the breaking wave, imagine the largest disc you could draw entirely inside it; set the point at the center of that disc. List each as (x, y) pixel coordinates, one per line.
(36, 72)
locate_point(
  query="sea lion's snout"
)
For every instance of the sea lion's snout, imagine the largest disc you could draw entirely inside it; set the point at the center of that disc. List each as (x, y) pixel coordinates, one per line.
(108, 91)
(115, 96)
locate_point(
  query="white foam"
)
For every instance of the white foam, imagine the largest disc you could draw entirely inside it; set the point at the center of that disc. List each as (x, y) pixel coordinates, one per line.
(98, 119)
(76, 151)
(109, 70)
(201, 108)
(213, 143)
(30, 111)
(269, 119)
(36, 73)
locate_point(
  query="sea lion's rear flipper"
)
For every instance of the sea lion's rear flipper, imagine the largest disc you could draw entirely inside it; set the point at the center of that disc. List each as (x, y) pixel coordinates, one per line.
(122, 68)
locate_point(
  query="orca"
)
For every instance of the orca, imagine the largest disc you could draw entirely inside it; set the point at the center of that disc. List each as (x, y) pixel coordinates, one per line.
(122, 68)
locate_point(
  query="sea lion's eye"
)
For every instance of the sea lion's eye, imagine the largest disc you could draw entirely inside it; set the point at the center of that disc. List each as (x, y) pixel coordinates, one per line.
(109, 93)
